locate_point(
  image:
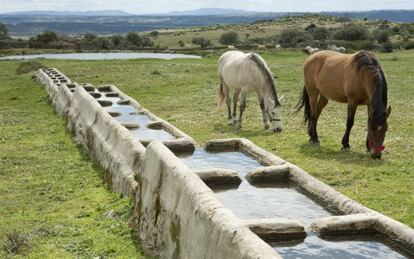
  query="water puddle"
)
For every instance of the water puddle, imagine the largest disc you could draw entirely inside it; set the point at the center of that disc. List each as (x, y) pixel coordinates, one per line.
(358, 246)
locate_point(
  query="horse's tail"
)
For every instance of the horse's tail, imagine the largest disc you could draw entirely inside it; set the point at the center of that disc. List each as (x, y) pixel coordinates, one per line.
(304, 103)
(221, 95)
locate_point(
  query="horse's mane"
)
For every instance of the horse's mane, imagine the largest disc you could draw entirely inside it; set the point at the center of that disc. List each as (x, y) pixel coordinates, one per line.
(267, 74)
(380, 98)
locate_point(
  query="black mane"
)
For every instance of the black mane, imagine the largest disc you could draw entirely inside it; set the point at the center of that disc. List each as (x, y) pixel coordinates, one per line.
(380, 97)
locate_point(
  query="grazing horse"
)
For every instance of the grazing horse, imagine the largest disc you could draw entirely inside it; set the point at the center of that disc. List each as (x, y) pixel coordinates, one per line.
(243, 73)
(337, 49)
(309, 50)
(355, 79)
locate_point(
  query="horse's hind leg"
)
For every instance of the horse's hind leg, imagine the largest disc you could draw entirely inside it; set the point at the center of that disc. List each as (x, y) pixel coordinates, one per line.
(313, 118)
(264, 115)
(226, 92)
(242, 108)
(235, 100)
(349, 123)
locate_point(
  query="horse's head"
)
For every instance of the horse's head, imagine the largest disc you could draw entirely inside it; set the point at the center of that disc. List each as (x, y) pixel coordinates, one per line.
(275, 115)
(376, 136)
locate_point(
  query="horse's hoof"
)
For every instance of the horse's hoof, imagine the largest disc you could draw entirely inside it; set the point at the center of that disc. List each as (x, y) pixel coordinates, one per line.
(346, 149)
(314, 143)
(266, 127)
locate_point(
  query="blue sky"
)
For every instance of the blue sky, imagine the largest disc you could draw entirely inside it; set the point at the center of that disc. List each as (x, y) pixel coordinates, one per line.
(158, 6)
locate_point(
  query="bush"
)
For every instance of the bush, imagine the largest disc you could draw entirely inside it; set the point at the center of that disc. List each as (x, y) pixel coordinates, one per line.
(382, 36)
(89, 37)
(203, 42)
(363, 45)
(4, 34)
(409, 45)
(320, 33)
(387, 47)
(229, 38)
(352, 32)
(291, 37)
(29, 66)
(47, 37)
(135, 39)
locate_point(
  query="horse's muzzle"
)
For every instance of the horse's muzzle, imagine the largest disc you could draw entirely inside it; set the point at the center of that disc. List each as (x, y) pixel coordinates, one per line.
(376, 155)
(277, 129)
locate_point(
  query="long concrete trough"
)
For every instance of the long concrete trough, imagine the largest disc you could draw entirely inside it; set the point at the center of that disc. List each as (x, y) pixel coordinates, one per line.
(228, 199)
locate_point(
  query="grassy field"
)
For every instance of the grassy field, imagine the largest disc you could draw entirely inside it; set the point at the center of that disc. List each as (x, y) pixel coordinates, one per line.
(184, 93)
(53, 194)
(52, 198)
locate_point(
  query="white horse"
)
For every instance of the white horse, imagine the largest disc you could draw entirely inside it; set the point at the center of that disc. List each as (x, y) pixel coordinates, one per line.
(337, 49)
(309, 50)
(243, 73)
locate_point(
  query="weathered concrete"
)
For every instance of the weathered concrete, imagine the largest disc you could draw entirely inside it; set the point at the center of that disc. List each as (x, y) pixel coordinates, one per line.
(278, 229)
(178, 216)
(268, 174)
(348, 224)
(219, 177)
(106, 140)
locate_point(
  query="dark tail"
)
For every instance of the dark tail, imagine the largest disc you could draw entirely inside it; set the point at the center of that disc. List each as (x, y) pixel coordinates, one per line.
(304, 103)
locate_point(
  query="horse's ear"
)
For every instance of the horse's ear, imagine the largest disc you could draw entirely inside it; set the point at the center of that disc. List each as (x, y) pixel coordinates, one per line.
(388, 111)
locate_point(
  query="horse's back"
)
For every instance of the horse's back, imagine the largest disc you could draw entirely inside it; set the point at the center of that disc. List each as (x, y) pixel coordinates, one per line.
(238, 70)
(325, 72)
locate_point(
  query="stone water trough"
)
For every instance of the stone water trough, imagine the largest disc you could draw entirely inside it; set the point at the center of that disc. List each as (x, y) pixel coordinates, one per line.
(227, 199)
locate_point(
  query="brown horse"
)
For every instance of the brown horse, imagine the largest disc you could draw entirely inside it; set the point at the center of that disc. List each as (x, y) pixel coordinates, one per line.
(355, 79)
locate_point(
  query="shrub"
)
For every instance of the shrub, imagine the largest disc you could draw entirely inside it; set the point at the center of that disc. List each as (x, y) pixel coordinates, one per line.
(134, 38)
(203, 42)
(382, 36)
(229, 38)
(29, 66)
(320, 33)
(409, 45)
(291, 37)
(47, 37)
(154, 33)
(89, 37)
(352, 32)
(387, 47)
(4, 34)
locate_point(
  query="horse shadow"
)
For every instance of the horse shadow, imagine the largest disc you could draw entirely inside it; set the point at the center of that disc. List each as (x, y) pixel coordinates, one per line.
(243, 133)
(354, 155)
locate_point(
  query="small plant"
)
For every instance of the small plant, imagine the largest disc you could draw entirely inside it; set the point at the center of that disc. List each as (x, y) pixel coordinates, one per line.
(16, 243)
(29, 66)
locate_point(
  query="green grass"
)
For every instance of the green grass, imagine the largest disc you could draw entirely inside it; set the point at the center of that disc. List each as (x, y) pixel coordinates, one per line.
(184, 93)
(53, 201)
(51, 192)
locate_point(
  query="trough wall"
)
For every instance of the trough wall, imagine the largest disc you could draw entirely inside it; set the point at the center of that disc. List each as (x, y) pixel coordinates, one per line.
(175, 214)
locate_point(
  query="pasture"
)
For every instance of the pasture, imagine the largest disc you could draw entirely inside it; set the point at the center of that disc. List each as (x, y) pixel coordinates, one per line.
(39, 161)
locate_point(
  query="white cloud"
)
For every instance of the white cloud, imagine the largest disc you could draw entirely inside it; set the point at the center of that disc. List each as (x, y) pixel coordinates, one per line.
(157, 6)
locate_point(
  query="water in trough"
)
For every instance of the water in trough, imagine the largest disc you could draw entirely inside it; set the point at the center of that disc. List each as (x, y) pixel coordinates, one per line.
(125, 113)
(288, 201)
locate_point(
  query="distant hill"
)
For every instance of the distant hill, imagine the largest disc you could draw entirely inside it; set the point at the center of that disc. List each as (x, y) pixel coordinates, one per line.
(114, 21)
(211, 11)
(68, 13)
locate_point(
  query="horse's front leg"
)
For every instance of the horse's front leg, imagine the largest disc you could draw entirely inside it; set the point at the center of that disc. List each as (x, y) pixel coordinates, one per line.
(264, 114)
(349, 124)
(242, 108)
(235, 100)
